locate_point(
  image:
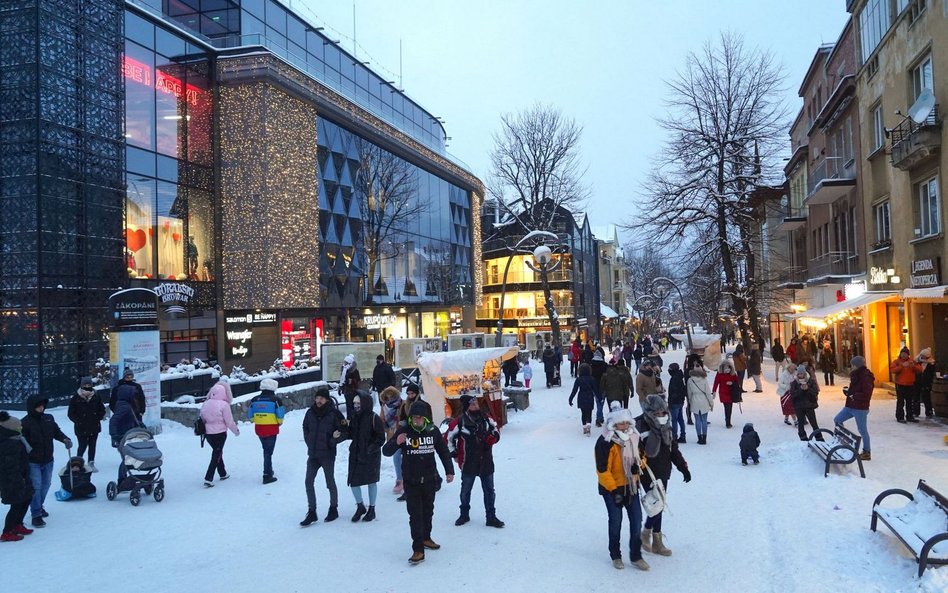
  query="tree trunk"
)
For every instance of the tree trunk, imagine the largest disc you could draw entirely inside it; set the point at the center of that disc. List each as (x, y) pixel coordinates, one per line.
(550, 309)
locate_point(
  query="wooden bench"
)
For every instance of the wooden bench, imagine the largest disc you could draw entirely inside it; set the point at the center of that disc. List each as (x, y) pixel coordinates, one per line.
(842, 448)
(920, 525)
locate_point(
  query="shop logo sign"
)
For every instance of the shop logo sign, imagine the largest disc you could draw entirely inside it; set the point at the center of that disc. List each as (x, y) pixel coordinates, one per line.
(926, 272)
(174, 296)
(878, 276)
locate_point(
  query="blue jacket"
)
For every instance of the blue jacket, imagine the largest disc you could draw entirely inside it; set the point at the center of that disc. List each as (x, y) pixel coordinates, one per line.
(585, 387)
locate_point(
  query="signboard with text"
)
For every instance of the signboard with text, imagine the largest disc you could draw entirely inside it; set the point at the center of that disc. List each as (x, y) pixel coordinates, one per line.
(926, 272)
(134, 308)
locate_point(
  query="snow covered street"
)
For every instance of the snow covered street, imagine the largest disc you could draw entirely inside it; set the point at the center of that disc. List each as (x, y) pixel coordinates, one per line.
(780, 526)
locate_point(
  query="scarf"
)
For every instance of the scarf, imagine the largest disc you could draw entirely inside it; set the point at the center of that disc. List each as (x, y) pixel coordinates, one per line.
(342, 377)
(629, 441)
(657, 434)
(86, 395)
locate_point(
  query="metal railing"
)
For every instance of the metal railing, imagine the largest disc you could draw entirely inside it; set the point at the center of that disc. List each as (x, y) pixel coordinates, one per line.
(525, 276)
(832, 167)
(905, 130)
(833, 263)
(516, 313)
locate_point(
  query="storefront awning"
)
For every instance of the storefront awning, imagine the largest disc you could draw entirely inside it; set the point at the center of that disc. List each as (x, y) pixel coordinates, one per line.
(933, 292)
(865, 298)
(607, 311)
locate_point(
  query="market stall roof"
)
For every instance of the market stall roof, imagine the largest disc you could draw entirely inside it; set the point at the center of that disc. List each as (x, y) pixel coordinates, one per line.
(701, 340)
(932, 292)
(865, 298)
(460, 361)
(607, 311)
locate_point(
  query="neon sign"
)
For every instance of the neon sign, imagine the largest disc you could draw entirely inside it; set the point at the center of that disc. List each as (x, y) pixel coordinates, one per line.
(135, 71)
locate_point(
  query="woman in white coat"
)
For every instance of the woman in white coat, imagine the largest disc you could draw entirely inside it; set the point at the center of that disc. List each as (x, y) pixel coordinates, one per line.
(787, 376)
(701, 400)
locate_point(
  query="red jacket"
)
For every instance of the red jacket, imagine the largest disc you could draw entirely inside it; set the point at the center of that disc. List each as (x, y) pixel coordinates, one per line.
(792, 353)
(905, 374)
(722, 388)
(861, 383)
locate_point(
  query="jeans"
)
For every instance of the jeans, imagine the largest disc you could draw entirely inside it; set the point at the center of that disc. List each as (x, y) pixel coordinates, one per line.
(487, 485)
(373, 493)
(268, 444)
(15, 515)
(862, 424)
(397, 462)
(740, 378)
(727, 414)
(701, 424)
(419, 499)
(216, 441)
(677, 419)
(600, 400)
(41, 474)
(655, 523)
(87, 441)
(634, 511)
(638, 363)
(904, 401)
(328, 465)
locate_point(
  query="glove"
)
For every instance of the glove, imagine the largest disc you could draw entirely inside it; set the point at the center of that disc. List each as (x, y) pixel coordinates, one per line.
(68, 443)
(571, 403)
(687, 475)
(618, 497)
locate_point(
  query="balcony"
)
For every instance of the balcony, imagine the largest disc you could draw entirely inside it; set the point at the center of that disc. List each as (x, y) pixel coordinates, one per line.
(833, 267)
(564, 312)
(793, 277)
(793, 218)
(830, 181)
(526, 276)
(914, 143)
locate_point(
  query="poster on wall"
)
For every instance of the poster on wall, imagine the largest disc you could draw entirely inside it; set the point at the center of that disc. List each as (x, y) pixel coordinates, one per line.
(408, 350)
(332, 355)
(465, 341)
(140, 351)
(508, 340)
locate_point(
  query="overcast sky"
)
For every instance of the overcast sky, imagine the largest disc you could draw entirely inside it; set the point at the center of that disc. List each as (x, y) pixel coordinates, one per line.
(601, 62)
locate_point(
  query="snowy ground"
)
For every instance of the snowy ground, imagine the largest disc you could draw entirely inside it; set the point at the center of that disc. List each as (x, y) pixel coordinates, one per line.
(780, 526)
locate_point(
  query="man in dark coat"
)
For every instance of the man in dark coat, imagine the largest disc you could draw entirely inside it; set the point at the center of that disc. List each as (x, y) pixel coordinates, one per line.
(549, 366)
(365, 454)
(39, 430)
(127, 404)
(86, 411)
(383, 375)
(419, 442)
(323, 428)
(16, 488)
(598, 368)
(510, 368)
(777, 353)
(471, 438)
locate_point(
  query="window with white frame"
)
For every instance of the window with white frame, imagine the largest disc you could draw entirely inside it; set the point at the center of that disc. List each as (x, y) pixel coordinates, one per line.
(922, 77)
(883, 222)
(929, 209)
(873, 23)
(878, 128)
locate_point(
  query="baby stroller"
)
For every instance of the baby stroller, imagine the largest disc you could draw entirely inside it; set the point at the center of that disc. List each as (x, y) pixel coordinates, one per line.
(141, 462)
(76, 479)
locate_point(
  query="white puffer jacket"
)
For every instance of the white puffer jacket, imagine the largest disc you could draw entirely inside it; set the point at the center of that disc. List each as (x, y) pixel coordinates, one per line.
(700, 397)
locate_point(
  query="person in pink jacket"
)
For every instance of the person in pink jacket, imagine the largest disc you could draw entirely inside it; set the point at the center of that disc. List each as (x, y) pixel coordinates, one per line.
(217, 418)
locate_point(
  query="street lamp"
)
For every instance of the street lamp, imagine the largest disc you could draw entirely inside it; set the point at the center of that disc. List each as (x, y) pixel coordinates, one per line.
(684, 312)
(544, 255)
(539, 238)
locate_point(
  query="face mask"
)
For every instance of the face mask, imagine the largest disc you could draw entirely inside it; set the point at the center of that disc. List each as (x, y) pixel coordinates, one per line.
(662, 419)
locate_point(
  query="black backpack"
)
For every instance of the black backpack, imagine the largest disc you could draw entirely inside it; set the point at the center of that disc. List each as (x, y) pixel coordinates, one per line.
(200, 430)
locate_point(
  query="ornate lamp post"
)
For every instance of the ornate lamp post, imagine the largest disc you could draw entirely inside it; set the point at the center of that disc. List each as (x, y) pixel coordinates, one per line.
(538, 239)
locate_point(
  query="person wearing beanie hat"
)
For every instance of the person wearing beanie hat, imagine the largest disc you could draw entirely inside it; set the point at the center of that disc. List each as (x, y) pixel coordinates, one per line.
(584, 387)
(804, 393)
(661, 451)
(701, 401)
(471, 438)
(750, 441)
(349, 381)
(390, 403)
(86, 411)
(383, 375)
(40, 430)
(16, 488)
(617, 467)
(905, 371)
(323, 429)
(924, 382)
(598, 368)
(858, 395)
(419, 441)
(413, 396)
(266, 411)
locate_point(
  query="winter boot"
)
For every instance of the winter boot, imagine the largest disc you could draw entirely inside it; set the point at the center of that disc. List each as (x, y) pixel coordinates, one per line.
(360, 510)
(462, 519)
(10, 536)
(38, 522)
(269, 479)
(493, 521)
(587, 430)
(647, 540)
(417, 558)
(658, 547)
(21, 529)
(617, 563)
(309, 519)
(332, 515)
(369, 515)
(431, 545)
(865, 456)
(94, 468)
(682, 439)
(598, 423)
(399, 487)
(640, 564)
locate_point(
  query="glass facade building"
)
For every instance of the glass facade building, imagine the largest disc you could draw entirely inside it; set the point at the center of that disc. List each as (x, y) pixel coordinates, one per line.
(159, 158)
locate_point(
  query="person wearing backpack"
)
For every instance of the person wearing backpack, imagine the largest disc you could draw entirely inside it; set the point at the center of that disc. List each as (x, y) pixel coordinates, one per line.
(266, 411)
(218, 418)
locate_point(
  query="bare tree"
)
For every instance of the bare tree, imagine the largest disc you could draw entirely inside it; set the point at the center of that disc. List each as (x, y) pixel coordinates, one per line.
(726, 127)
(536, 166)
(389, 202)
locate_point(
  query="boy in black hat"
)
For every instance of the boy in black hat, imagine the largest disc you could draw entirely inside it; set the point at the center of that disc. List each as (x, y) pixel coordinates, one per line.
(750, 440)
(471, 439)
(419, 441)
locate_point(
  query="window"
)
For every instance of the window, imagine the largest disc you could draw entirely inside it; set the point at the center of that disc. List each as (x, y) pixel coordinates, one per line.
(878, 128)
(922, 77)
(883, 224)
(873, 24)
(929, 219)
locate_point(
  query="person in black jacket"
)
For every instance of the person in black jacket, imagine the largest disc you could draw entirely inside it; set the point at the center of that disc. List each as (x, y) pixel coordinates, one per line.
(585, 387)
(39, 430)
(323, 428)
(598, 368)
(365, 454)
(16, 489)
(419, 442)
(383, 375)
(750, 441)
(549, 366)
(471, 438)
(677, 394)
(510, 368)
(660, 451)
(127, 403)
(804, 393)
(780, 358)
(86, 411)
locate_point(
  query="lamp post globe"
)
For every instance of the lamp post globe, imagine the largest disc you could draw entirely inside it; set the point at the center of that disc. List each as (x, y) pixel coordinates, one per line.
(542, 254)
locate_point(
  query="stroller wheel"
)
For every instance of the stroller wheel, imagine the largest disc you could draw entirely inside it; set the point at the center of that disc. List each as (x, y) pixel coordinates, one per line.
(111, 490)
(159, 493)
(135, 497)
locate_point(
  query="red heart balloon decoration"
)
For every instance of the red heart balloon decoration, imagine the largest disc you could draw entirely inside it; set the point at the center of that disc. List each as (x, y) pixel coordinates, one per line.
(135, 239)
(176, 237)
(151, 232)
(166, 225)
